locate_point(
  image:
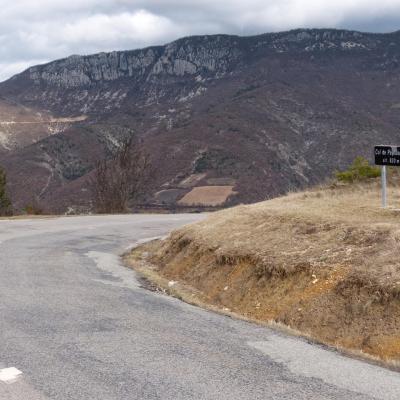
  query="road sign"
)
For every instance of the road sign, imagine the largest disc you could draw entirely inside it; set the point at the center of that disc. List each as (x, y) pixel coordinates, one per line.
(387, 155)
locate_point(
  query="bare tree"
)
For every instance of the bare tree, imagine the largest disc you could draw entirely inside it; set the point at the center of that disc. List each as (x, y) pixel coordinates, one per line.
(119, 181)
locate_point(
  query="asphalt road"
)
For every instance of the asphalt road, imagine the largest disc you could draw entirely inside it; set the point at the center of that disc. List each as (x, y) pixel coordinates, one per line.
(75, 324)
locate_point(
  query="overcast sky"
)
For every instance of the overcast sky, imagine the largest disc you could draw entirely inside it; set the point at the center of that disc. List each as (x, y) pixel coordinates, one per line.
(36, 31)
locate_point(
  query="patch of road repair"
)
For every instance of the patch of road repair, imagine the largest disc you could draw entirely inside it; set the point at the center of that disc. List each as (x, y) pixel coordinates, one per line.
(110, 264)
(313, 361)
(121, 276)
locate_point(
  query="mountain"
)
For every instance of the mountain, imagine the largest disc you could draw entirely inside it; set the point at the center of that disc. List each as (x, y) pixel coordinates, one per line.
(227, 119)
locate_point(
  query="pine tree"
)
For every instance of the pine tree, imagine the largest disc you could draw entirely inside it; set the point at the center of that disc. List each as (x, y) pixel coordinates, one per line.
(5, 203)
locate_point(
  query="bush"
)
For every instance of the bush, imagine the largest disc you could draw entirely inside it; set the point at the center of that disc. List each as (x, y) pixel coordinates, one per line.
(359, 170)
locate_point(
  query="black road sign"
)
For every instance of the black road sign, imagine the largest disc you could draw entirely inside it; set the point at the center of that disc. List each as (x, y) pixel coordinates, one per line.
(387, 155)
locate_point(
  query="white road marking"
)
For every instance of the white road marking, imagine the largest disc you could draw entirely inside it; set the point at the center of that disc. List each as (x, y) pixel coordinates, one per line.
(9, 375)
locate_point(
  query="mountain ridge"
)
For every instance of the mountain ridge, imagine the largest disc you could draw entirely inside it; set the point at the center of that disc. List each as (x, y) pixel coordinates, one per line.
(274, 38)
(266, 113)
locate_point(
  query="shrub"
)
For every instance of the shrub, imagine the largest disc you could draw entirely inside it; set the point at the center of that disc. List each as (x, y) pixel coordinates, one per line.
(359, 170)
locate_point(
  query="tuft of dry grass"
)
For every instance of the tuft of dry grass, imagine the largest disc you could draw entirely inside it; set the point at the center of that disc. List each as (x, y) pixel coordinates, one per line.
(324, 262)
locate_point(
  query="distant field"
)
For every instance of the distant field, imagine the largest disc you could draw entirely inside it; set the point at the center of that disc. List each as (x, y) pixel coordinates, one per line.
(323, 262)
(207, 196)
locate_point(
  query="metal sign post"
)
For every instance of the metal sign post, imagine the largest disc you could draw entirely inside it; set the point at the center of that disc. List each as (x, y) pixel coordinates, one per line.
(386, 155)
(383, 177)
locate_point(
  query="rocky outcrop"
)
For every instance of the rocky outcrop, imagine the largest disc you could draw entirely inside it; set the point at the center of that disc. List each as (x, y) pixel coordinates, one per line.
(210, 55)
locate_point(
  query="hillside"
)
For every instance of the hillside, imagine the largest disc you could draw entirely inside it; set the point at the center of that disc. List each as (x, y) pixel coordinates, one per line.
(227, 119)
(323, 262)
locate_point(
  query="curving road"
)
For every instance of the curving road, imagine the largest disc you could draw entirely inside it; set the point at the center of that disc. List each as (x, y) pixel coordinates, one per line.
(75, 324)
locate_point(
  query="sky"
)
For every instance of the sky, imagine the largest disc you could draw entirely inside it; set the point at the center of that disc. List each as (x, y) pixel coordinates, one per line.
(38, 31)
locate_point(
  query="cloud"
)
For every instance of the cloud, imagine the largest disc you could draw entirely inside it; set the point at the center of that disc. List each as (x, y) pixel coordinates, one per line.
(43, 30)
(140, 26)
(8, 69)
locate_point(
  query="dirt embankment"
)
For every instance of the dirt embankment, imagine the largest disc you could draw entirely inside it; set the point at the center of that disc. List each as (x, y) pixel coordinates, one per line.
(324, 262)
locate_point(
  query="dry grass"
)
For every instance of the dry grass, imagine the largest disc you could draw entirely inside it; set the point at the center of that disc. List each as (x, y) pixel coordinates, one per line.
(310, 230)
(324, 262)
